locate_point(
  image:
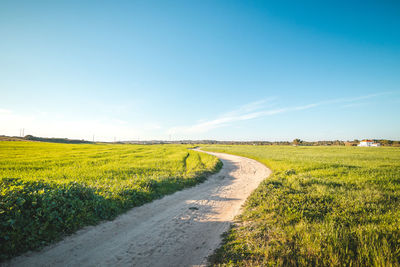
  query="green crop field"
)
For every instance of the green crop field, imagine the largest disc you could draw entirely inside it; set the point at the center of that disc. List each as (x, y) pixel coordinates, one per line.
(49, 190)
(323, 206)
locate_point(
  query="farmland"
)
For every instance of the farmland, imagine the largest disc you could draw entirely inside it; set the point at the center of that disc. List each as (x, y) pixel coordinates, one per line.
(324, 206)
(50, 190)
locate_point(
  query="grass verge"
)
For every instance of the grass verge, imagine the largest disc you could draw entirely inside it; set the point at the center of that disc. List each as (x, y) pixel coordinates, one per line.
(323, 206)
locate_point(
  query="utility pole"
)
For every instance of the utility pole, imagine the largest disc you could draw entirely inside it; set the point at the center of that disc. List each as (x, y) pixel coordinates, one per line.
(93, 138)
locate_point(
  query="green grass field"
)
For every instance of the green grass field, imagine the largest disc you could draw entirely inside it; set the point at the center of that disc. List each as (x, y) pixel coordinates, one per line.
(323, 206)
(49, 190)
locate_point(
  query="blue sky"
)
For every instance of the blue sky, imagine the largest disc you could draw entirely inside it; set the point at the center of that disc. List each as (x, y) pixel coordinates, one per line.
(226, 70)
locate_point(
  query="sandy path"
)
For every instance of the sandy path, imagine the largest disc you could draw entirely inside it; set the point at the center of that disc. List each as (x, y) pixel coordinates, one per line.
(181, 229)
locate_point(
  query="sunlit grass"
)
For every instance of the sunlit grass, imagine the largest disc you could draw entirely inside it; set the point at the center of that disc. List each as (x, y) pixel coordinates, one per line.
(324, 206)
(48, 190)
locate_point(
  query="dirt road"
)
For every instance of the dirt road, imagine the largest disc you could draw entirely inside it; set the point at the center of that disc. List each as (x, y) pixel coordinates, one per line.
(178, 230)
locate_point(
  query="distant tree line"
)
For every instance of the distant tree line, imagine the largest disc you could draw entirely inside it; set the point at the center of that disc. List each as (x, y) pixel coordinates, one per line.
(383, 142)
(295, 142)
(355, 142)
(56, 140)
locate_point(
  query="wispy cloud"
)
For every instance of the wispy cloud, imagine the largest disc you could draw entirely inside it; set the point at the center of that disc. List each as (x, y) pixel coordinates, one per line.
(53, 125)
(354, 105)
(245, 112)
(258, 109)
(354, 99)
(4, 111)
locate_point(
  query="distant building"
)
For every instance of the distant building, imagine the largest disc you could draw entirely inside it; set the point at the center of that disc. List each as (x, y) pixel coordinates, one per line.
(368, 143)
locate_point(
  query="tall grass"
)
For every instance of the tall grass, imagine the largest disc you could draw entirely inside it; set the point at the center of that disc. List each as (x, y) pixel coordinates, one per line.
(49, 190)
(323, 206)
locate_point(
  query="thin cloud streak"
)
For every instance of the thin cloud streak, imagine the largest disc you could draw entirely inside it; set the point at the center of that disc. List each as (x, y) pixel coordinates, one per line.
(244, 112)
(248, 112)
